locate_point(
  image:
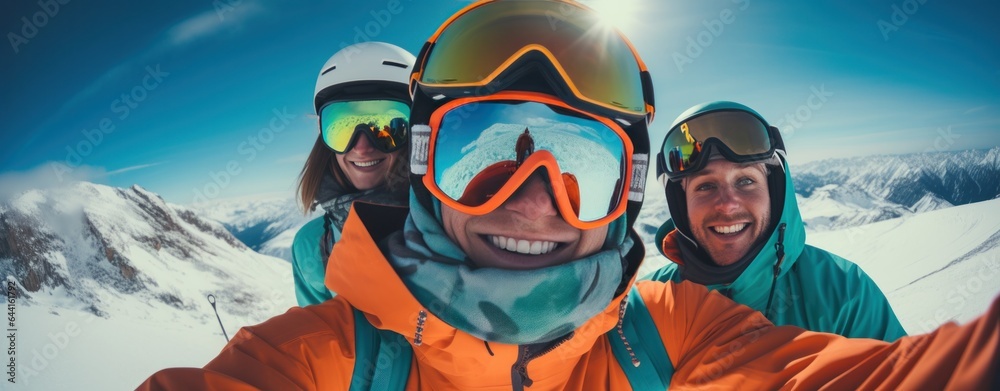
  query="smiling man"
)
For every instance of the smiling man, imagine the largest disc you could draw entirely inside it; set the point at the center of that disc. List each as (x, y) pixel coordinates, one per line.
(736, 228)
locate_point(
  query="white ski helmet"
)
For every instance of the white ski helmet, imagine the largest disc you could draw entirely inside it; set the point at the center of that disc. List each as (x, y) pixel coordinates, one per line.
(367, 70)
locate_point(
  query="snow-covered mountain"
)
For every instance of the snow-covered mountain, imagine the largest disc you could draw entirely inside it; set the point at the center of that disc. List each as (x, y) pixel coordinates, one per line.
(267, 224)
(96, 247)
(111, 268)
(843, 193)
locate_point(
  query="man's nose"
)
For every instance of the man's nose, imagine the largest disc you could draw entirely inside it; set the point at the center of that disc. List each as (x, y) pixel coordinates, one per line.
(532, 199)
(729, 200)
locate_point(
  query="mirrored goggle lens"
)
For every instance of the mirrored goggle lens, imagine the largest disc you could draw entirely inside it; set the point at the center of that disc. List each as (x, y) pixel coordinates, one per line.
(385, 121)
(479, 146)
(744, 134)
(598, 62)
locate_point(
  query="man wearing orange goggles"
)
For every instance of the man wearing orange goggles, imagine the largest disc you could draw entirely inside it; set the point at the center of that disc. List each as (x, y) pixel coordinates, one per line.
(499, 282)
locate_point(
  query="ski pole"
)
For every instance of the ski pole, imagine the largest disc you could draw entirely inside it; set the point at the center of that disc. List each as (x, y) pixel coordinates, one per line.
(211, 300)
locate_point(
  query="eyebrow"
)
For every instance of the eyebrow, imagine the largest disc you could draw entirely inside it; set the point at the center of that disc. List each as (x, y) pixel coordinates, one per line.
(702, 172)
(707, 171)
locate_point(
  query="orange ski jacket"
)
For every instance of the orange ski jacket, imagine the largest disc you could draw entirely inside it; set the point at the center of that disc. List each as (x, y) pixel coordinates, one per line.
(712, 342)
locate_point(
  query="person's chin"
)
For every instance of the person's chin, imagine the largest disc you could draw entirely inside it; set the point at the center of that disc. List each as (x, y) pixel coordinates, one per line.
(364, 180)
(725, 252)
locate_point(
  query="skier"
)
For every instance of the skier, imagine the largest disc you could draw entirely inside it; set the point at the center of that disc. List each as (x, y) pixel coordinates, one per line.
(353, 158)
(525, 146)
(736, 228)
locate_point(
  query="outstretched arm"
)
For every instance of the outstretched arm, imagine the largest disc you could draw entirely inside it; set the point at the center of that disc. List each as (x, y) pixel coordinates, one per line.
(717, 343)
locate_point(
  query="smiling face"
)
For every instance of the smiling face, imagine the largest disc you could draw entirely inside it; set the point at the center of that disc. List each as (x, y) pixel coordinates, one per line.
(526, 232)
(365, 166)
(729, 207)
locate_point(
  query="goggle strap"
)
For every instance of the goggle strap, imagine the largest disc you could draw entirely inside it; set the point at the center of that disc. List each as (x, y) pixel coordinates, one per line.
(420, 148)
(640, 165)
(647, 93)
(776, 139)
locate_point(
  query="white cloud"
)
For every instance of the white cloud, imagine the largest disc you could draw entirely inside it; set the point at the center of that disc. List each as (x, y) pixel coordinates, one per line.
(201, 25)
(976, 109)
(133, 168)
(47, 176)
(211, 22)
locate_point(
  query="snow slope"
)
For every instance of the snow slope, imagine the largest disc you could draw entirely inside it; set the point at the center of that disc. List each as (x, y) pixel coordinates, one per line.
(933, 267)
(113, 285)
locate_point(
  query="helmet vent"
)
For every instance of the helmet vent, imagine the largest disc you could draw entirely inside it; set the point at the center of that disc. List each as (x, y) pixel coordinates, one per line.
(328, 70)
(395, 64)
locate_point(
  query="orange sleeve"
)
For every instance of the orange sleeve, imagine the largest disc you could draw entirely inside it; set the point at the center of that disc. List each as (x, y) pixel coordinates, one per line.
(716, 343)
(283, 353)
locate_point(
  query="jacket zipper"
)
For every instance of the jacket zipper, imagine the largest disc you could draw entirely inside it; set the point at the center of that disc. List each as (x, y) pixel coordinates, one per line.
(519, 372)
(779, 248)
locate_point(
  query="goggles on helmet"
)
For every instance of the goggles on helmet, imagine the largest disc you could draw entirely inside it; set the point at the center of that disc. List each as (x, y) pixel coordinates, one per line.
(738, 135)
(481, 150)
(485, 46)
(384, 122)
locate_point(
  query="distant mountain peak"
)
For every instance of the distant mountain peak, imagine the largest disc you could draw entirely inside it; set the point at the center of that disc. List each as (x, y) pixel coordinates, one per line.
(898, 184)
(95, 246)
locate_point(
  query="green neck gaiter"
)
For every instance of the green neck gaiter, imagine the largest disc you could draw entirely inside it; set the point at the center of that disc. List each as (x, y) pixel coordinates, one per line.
(509, 306)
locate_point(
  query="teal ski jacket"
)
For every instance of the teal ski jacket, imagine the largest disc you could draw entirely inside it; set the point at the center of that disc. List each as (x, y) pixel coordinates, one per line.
(314, 241)
(308, 265)
(812, 288)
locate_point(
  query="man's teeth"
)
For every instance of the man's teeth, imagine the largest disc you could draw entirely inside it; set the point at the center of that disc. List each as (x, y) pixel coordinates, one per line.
(368, 163)
(533, 247)
(730, 229)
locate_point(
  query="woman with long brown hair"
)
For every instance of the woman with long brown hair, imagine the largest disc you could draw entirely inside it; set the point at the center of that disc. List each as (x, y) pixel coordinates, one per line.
(361, 153)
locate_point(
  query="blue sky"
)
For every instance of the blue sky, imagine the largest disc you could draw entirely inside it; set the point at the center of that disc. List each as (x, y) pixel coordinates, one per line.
(202, 80)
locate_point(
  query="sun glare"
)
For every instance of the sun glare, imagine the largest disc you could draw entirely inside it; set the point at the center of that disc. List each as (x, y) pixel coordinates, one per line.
(621, 14)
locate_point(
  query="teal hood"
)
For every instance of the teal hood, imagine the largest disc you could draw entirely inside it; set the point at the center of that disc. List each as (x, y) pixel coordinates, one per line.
(810, 288)
(752, 286)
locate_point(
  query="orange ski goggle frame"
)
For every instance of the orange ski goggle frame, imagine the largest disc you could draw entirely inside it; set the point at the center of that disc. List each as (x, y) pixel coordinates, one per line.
(477, 46)
(452, 146)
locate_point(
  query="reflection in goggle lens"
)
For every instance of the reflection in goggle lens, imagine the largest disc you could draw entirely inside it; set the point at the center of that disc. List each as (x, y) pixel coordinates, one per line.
(744, 134)
(474, 155)
(384, 122)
